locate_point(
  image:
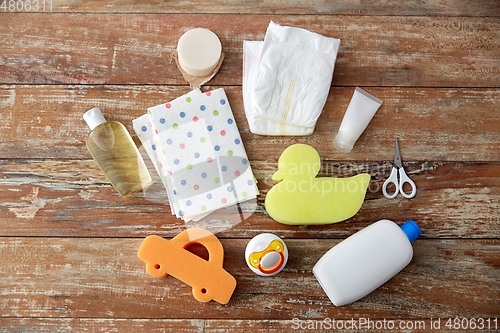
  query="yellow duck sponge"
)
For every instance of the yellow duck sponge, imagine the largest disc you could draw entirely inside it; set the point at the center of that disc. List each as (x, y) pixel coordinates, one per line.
(300, 198)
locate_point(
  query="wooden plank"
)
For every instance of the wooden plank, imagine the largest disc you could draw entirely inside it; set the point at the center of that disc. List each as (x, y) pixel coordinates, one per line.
(481, 8)
(72, 198)
(367, 325)
(135, 48)
(445, 124)
(103, 278)
(49, 325)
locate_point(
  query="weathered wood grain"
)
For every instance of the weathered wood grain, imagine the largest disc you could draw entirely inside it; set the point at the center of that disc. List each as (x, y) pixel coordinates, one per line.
(77, 325)
(103, 278)
(482, 8)
(135, 48)
(446, 124)
(68, 242)
(68, 325)
(326, 325)
(72, 198)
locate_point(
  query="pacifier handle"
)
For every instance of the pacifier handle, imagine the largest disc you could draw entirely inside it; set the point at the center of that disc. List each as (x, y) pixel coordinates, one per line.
(274, 268)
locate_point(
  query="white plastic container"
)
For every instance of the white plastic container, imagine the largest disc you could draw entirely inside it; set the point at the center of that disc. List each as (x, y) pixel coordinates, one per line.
(366, 260)
(360, 111)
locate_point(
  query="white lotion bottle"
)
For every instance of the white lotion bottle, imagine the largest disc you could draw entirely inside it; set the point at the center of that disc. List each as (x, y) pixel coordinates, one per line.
(366, 260)
(360, 112)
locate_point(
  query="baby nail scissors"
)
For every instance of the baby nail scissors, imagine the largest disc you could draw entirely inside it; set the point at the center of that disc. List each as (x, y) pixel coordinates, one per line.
(403, 178)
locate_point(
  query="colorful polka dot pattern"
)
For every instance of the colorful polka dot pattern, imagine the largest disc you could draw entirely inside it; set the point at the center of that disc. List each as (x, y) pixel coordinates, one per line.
(148, 136)
(193, 132)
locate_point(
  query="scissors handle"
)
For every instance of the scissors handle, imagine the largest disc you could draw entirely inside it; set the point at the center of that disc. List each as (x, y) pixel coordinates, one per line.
(403, 178)
(393, 179)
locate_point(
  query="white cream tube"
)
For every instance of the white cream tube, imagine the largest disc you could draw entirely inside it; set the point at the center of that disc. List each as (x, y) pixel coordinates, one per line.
(360, 111)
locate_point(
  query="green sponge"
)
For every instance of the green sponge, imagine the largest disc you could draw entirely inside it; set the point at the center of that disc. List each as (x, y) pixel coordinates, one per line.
(301, 198)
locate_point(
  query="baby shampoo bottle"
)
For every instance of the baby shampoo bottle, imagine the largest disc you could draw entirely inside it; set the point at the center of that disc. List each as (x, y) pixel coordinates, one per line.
(114, 151)
(366, 260)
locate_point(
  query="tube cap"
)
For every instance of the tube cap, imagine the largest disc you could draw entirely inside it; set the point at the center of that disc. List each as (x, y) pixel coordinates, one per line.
(93, 118)
(344, 141)
(411, 230)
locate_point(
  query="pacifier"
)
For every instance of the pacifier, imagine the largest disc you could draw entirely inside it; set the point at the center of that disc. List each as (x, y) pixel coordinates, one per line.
(266, 254)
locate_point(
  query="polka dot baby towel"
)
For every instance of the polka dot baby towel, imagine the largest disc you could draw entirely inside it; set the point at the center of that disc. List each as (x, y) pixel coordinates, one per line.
(197, 151)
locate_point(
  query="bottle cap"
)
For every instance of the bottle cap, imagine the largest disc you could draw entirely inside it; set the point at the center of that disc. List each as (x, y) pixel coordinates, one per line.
(344, 141)
(94, 118)
(411, 230)
(199, 51)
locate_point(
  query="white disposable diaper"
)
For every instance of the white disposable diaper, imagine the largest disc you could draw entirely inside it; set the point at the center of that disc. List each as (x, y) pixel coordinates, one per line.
(286, 80)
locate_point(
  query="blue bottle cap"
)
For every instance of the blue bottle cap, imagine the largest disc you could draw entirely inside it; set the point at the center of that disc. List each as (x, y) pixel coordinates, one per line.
(411, 230)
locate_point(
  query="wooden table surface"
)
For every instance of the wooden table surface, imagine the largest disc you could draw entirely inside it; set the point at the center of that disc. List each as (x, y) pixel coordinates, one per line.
(68, 241)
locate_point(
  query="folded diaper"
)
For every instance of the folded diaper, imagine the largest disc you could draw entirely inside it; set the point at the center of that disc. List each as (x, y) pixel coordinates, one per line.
(197, 150)
(286, 80)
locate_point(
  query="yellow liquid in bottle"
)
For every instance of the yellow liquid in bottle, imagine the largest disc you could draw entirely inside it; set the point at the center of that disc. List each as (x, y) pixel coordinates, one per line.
(115, 152)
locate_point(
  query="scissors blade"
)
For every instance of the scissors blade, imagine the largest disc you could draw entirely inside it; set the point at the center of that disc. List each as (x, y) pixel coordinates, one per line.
(397, 156)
